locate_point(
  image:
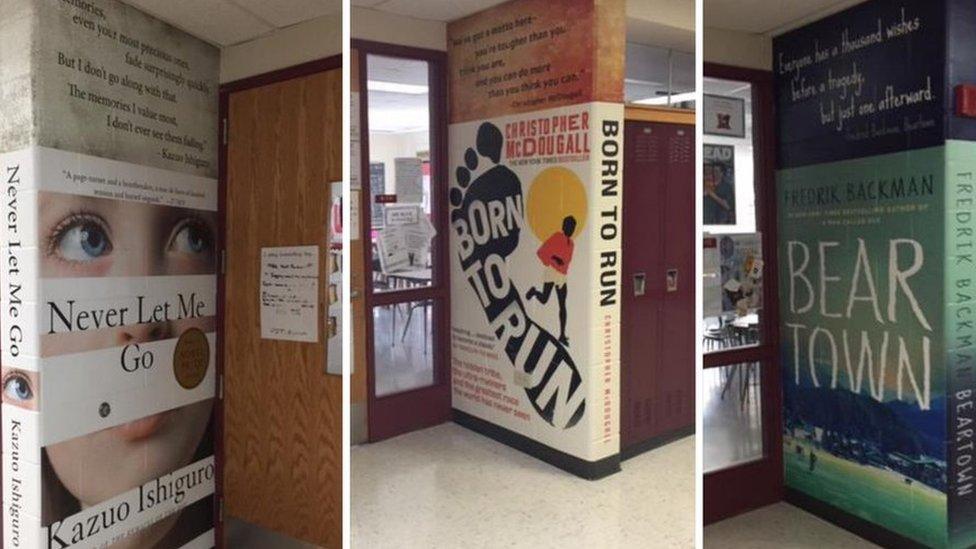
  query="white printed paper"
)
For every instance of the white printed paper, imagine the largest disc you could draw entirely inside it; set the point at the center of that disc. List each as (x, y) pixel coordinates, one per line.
(289, 293)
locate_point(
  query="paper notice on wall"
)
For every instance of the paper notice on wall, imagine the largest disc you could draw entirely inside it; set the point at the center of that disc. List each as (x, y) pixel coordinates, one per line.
(355, 197)
(355, 159)
(711, 278)
(333, 319)
(289, 293)
(393, 251)
(409, 179)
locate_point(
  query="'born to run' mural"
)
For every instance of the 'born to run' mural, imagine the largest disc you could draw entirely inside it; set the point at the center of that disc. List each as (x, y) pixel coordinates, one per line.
(536, 164)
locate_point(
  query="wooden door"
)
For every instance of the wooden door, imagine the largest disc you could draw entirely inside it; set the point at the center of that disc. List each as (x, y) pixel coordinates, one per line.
(282, 412)
(657, 344)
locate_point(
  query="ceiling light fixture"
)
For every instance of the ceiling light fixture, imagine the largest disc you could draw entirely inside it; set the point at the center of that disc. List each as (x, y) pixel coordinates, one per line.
(396, 87)
(663, 99)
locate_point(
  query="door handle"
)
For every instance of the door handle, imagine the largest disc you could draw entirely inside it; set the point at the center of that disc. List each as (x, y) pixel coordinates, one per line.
(640, 284)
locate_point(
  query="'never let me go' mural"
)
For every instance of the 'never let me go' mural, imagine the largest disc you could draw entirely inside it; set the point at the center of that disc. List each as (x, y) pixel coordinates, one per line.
(108, 278)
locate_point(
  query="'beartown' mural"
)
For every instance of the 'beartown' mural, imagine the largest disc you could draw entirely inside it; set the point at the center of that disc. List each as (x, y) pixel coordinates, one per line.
(108, 283)
(876, 218)
(535, 148)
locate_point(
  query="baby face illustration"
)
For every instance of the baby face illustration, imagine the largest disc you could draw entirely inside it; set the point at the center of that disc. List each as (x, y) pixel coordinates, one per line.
(86, 237)
(95, 237)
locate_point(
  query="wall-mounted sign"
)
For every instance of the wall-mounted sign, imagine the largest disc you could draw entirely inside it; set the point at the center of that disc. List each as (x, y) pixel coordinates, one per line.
(724, 116)
(402, 214)
(718, 182)
(289, 293)
(384, 199)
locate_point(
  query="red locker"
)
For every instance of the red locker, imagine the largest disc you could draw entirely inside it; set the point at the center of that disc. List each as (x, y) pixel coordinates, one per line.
(658, 330)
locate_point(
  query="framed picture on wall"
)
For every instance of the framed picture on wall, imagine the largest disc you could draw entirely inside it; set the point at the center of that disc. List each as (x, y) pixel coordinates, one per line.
(724, 116)
(718, 181)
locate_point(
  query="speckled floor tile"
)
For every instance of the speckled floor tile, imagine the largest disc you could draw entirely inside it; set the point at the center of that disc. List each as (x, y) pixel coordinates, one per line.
(448, 487)
(779, 526)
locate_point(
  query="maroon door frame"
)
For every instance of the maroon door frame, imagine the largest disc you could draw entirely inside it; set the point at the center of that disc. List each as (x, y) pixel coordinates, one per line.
(741, 488)
(297, 71)
(392, 415)
(657, 380)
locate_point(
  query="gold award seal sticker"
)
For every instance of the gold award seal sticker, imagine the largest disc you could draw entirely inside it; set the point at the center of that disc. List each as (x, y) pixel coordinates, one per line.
(191, 358)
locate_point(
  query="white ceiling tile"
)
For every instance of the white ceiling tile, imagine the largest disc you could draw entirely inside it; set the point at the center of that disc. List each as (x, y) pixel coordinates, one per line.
(284, 13)
(437, 10)
(217, 21)
(766, 16)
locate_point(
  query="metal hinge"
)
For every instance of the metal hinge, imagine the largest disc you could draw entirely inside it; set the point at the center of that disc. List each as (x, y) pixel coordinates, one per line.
(224, 122)
(220, 386)
(223, 261)
(220, 509)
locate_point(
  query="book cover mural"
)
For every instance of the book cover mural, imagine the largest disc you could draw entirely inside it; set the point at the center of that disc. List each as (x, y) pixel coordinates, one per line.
(109, 287)
(876, 218)
(535, 155)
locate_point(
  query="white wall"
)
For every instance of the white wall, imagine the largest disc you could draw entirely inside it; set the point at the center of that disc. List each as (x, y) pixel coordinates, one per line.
(740, 49)
(308, 41)
(380, 26)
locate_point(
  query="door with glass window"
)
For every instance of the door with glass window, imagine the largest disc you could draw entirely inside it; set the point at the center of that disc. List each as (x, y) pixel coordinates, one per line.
(740, 390)
(404, 282)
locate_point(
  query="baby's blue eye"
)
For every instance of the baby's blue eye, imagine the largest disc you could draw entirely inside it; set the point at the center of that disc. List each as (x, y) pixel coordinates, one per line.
(18, 387)
(192, 238)
(84, 241)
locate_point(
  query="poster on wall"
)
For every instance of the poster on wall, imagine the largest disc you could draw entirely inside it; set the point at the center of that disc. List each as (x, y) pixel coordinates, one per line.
(333, 289)
(718, 180)
(290, 293)
(355, 144)
(409, 179)
(741, 267)
(711, 278)
(109, 305)
(725, 116)
(377, 188)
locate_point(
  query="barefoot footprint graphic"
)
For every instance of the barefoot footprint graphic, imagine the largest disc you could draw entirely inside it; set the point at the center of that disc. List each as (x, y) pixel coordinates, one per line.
(487, 216)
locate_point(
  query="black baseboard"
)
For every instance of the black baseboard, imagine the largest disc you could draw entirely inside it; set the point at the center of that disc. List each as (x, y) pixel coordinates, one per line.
(590, 470)
(855, 525)
(655, 442)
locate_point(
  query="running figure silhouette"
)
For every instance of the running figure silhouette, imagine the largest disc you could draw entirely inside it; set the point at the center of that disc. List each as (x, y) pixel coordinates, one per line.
(556, 253)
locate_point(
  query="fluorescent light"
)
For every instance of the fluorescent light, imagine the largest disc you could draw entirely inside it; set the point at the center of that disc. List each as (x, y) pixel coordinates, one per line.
(396, 87)
(663, 99)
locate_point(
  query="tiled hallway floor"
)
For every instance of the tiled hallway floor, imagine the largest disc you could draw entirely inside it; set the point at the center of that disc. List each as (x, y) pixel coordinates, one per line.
(448, 487)
(779, 526)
